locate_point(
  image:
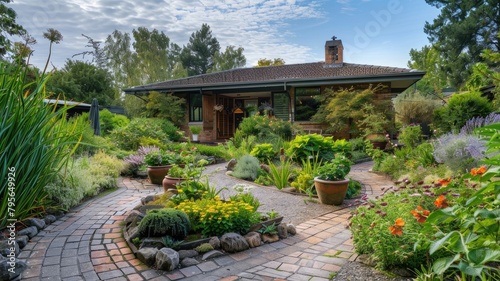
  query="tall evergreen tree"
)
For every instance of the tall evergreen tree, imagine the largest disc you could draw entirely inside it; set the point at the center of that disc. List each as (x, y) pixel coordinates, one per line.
(461, 32)
(197, 57)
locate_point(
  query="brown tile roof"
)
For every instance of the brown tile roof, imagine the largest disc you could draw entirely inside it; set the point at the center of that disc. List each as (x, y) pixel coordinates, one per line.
(290, 72)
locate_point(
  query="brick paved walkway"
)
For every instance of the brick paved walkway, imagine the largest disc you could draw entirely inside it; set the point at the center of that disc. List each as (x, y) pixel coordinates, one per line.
(87, 244)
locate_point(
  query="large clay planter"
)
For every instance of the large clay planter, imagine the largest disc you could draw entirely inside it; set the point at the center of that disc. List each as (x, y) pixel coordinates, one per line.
(157, 173)
(331, 192)
(171, 183)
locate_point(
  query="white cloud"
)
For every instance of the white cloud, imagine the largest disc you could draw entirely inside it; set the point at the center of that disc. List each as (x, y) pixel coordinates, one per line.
(259, 26)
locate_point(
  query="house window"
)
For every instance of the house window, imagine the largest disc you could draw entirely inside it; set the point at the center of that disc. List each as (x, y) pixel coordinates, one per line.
(195, 108)
(305, 103)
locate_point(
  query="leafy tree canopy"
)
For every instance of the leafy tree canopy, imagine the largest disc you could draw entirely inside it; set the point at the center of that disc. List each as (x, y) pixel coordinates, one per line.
(269, 62)
(229, 59)
(81, 81)
(8, 26)
(461, 32)
(429, 59)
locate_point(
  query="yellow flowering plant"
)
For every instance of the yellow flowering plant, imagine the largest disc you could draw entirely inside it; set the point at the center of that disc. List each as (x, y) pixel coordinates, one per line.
(214, 217)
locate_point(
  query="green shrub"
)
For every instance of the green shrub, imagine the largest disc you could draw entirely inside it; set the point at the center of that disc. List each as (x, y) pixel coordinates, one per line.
(129, 137)
(167, 221)
(84, 176)
(217, 151)
(247, 168)
(459, 110)
(265, 127)
(264, 152)
(357, 144)
(312, 145)
(411, 136)
(110, 121)
(353, 189)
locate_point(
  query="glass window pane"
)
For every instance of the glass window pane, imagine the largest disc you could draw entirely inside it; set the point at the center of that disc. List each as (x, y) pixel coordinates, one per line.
(305, 103)
(195, 108)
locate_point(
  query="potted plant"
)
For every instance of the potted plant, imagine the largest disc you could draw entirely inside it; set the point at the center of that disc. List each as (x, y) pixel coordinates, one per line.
(195, 131)
(179, 173)
(159, 162)
(330, 181)
(374, 126)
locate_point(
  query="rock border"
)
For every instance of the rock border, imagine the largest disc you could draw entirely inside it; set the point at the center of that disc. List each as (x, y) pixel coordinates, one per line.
(13, 241)
(154, 253)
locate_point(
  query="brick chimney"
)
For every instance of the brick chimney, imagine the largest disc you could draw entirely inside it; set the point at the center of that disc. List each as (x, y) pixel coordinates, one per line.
(334, 51)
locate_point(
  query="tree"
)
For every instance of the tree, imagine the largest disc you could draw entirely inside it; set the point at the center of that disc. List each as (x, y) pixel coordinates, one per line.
(229, 59)
(198, 56)
(268, 62)
(461, 32)
(81, 81)
(167, 107)
(155, 55)
(8, 26)
(98, 54)
(342, 109)
(429, 60)
(121, 60)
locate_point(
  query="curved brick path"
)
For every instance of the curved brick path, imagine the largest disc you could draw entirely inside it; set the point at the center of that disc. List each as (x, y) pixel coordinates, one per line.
(87, 244)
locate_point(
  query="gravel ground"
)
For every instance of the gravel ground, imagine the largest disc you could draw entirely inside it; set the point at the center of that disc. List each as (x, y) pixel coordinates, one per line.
(356, 271)
(295, 209)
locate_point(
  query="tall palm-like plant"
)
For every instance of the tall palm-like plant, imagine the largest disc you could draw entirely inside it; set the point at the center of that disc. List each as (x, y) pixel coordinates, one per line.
(54, 36)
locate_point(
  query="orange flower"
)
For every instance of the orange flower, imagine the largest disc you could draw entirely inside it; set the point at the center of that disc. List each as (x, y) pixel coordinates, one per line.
(441, 202)
(478, 171)
(444, 182)
(420, 214)
(397, 228)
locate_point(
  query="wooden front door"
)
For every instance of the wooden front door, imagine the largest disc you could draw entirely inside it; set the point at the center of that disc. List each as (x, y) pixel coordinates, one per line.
(225, 118)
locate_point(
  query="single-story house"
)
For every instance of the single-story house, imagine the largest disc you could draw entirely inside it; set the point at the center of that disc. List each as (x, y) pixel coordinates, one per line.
(219, 101)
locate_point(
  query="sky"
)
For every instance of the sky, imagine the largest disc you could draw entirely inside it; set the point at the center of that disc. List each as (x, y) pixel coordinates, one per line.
(374, 32)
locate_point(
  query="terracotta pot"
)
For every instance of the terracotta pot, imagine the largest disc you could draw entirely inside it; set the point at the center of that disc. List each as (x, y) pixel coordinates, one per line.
(379, 144)
(331, 192)
(171, 183)
(157, 173)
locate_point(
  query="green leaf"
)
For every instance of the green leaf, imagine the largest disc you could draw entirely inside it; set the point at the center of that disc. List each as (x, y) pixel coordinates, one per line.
(454, 235)
(483, 255)
(487, 214)
(473, 270)
(442, 264)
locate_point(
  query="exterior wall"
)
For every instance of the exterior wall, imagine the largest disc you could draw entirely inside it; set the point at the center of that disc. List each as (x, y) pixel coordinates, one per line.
(209, 132)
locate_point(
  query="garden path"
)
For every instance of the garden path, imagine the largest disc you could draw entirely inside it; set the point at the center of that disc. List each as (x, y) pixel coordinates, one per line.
(87, 244)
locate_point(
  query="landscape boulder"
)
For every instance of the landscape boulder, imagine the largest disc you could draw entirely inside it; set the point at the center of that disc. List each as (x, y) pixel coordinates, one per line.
(147, 255)
(167, 259)
(253, 239)
(233, 242)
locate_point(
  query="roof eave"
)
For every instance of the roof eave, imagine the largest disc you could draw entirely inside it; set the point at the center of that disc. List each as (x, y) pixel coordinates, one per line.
(413, 75)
